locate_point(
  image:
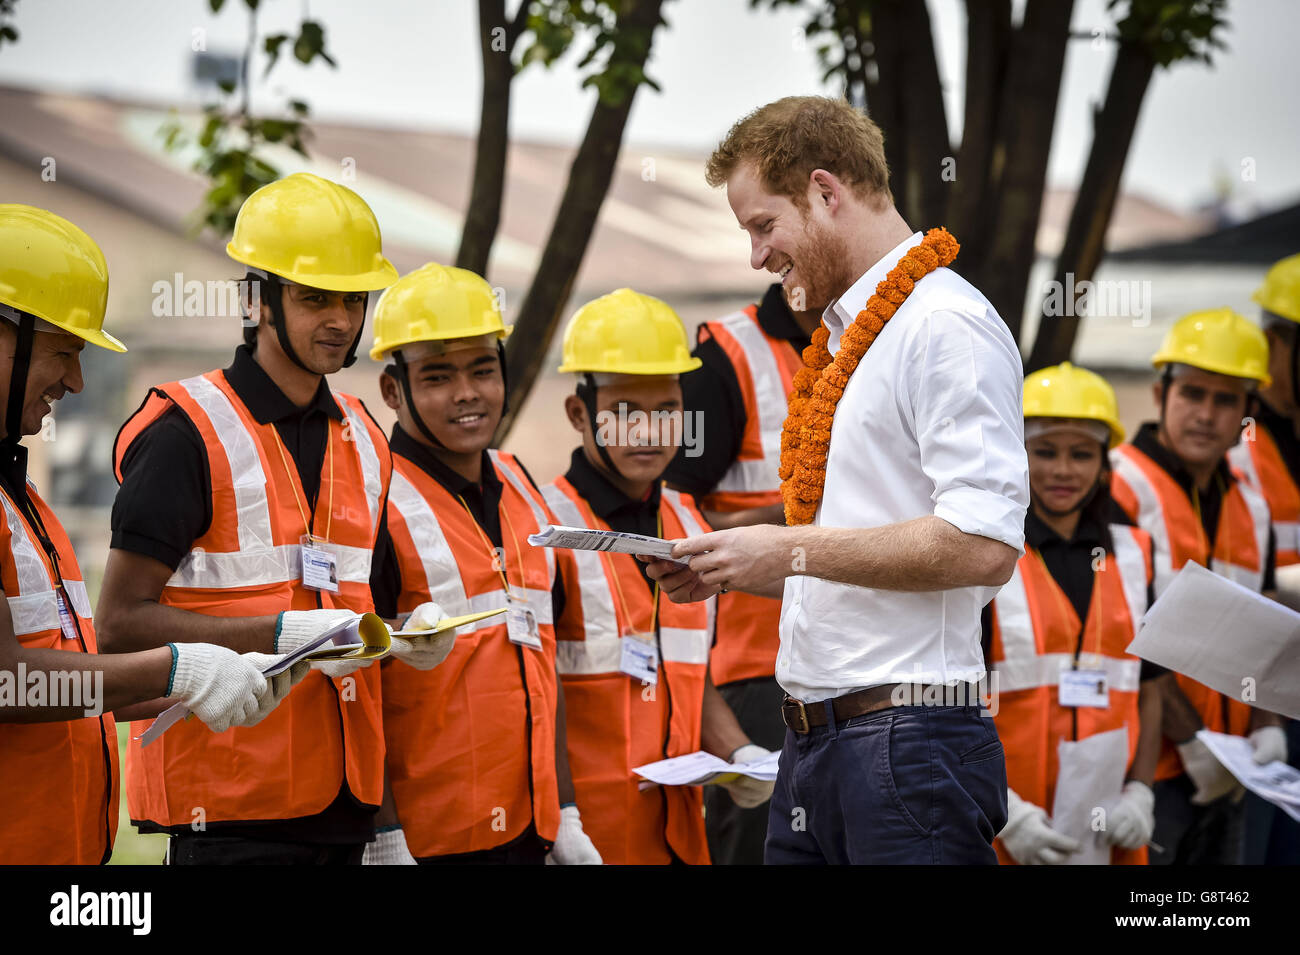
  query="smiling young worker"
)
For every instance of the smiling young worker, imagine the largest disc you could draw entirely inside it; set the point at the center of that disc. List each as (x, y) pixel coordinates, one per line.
(59, 804)
(907, 503)
(240, 489)
(476, 747)
(1057, 634)
(1175, 482)
(635, 668)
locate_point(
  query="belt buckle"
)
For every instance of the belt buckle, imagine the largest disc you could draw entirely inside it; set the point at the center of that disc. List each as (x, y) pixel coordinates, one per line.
(791, 704)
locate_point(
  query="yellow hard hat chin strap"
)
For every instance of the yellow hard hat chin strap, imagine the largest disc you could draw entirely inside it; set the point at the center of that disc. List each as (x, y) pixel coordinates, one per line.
(272, 293)
(587, 388)
(13, 456)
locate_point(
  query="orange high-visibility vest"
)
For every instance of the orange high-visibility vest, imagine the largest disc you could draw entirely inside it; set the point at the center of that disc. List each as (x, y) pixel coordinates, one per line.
(748, 626)
(1261, 464)
(1035, 636)
(1160, 507)
(471, 743)
(58, 802)
(614, 721)
(248, 563)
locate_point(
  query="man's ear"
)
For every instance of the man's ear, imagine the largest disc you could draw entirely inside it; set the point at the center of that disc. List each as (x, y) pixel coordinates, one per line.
(824, 188)
(576, 412)
(1158, 392)
(391, 390)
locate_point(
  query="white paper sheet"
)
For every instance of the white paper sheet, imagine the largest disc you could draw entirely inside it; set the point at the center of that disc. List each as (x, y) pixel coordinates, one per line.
(1090, 777)
(1276, 781)
(585, 538)
(1227, 637)
(701, 768)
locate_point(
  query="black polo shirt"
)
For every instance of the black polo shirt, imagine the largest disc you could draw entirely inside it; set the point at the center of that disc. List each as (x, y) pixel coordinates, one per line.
(1069, 561)
(483, 499)
(713, 390)
(1211, 500)
(165, 504)
(612, 506)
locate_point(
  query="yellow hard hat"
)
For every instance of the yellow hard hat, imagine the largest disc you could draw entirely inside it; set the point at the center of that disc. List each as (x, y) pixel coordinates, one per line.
(51, 269)
(314, 232)
(435, 303)
(627, 333)
(1217, 340)
(1064, 391)
(1280, 293)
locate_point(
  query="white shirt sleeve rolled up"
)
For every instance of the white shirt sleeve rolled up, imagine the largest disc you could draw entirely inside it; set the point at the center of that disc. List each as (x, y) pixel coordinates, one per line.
(964, 394)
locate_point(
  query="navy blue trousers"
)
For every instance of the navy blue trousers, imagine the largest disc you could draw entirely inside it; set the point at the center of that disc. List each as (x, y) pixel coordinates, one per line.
(909, 785)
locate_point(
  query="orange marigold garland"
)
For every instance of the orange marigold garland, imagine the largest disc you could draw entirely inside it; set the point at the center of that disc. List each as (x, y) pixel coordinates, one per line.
(819, 385)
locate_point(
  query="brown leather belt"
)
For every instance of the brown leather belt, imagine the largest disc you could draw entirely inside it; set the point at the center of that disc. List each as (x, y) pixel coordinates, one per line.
(802, 717)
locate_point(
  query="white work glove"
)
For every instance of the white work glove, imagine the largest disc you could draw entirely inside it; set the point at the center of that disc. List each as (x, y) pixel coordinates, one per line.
(424, 653)
(1131, 821)
(1269, 743)
(1030, 838)
(224, 688)
(389, 848)
(747, 792)
(572, 845)
(298, 627)
(1211, 777)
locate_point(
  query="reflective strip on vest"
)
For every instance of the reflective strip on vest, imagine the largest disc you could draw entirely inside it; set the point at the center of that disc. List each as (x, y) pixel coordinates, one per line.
(251, 506)
(772, 406)
(693, 528)
(600, 651)
(369, 461)
(1286, 534)
(35, 608)
(527, 494)
(1045, 670)
(258, 562)
(213, 570)
(1132, 566)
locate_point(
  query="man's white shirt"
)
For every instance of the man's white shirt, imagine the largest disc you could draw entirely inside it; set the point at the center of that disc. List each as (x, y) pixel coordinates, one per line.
(931, 423)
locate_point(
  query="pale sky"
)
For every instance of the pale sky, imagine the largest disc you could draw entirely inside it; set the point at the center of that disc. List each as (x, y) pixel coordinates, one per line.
(416, 63)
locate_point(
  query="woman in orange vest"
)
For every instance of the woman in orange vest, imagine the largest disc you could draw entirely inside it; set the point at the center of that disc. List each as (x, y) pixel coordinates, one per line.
(1057, 633)
(635, 668)
(241, 490)
(58, 745)
(474, 748)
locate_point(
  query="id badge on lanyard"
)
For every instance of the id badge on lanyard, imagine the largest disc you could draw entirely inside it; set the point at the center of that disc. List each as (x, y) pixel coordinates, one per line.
(1085, 687)
(639, 657)
(521, 623)
(319, 564)
(65, 619)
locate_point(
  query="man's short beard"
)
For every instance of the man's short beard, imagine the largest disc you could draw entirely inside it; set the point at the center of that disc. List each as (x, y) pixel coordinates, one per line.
(821, 259)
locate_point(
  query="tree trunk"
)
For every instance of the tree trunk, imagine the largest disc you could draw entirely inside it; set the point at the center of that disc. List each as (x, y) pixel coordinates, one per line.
(908, 107)
(590, 176)
(1094, 204)
(483, 217)
(1019, 162)
(988, 37)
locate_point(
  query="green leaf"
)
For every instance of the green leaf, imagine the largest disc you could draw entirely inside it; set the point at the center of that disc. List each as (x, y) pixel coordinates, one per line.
(272, 46)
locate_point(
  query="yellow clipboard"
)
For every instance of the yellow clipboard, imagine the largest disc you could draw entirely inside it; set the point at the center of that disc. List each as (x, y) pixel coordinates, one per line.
(451, 623)
(375, 642)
